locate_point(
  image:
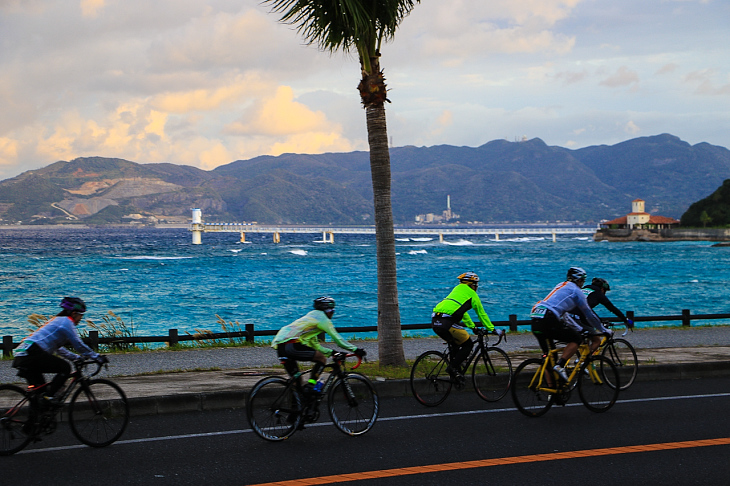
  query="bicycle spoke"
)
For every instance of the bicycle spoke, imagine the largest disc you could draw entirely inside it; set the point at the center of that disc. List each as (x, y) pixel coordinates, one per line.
(430, 383)
(15, 420)
(98, 413)
(492, 374)
(527, 394)
(353, 404)
(273, 409)
(597, 392)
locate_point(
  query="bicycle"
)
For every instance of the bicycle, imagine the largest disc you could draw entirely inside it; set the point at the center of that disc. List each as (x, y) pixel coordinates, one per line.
(623, 355)
(277, 406)
(537, 386)
(491, 373)
(98, 412)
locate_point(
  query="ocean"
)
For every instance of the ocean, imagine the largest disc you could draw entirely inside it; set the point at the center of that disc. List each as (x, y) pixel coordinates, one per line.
(155, 279)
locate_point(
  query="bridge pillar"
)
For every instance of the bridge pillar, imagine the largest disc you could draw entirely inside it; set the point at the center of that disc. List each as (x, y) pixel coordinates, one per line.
(332, 237)
(553, 236)
(441, 237)
(496, 236)
(277, 237)
(243, 237)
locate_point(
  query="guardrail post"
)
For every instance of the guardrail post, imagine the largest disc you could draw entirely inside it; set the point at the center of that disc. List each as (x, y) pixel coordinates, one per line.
(685, 318)
(249, 333)
(94, 340)
(172, 334)
(7, 346)
(513, 322)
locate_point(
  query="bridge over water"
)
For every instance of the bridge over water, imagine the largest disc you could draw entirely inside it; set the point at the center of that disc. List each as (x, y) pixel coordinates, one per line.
(328, 232)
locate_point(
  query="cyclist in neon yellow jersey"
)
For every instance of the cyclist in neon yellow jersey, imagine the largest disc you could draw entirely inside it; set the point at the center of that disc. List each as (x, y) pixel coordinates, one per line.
(299, 340)
(449, 315)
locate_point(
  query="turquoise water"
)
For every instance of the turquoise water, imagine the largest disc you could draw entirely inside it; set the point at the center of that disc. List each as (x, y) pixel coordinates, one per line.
(157, 280)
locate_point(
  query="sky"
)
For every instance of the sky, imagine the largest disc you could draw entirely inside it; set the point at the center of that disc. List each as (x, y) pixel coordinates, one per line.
(208, 82)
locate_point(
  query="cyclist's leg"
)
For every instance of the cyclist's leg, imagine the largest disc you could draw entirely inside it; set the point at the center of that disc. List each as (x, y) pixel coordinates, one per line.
(36, 362)
(460, 337)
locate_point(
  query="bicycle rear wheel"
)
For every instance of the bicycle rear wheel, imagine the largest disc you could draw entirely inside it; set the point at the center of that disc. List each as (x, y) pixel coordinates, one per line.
(15, 420)
(430, 383)
(491, 374)
(98, 412)
(274, 408)
(530, 400)
(595, 390)
(353, 404)
(623, 355)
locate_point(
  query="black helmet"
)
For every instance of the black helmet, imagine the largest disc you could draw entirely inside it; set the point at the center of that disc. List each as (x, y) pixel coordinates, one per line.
(601, 283)
(324, 303)
(73, 304)
(468, 277)
(575, 274)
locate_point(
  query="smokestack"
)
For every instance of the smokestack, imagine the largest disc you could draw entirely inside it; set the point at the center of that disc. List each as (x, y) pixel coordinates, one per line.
(448, 202)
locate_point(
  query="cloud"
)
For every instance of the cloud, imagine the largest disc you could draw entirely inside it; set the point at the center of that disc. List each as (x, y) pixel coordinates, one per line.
(706, 85)
(91, 8)
(623, 77)
(631, 128)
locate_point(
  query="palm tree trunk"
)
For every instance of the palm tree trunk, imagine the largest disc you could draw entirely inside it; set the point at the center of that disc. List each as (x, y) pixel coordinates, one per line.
(390, 339)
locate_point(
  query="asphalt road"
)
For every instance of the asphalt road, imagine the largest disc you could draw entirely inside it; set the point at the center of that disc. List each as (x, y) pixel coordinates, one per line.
(638, 438)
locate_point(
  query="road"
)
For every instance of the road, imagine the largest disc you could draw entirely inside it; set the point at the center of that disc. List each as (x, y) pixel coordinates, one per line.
(652, 436)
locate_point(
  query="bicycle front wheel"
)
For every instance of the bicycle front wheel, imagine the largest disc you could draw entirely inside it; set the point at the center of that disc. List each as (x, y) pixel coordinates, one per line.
(15, 420)
(597, 392)
(491, 374)
(528, 398)
(623, 355)
(98, 412)
(430, 383)
(353, 404)
(274, 408)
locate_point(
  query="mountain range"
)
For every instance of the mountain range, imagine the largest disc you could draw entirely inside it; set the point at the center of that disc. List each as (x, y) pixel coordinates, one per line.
(500, 181)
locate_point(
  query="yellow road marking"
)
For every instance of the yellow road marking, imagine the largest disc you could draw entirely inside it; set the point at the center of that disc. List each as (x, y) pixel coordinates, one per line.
(501, 461)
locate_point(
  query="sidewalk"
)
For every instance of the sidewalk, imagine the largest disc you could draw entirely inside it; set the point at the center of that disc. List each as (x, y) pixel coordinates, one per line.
(174, 381)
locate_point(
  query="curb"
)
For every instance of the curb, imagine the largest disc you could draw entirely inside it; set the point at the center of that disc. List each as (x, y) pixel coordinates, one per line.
(236, 399)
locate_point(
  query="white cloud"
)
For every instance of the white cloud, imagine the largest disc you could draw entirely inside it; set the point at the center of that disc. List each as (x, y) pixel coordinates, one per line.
(205, 82)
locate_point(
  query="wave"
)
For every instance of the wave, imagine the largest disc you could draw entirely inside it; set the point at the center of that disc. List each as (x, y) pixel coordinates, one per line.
(149, 257)
(402, 239)
(299, 252)
(235, 251)
(422, 239)
(417, 252)
(461, 242)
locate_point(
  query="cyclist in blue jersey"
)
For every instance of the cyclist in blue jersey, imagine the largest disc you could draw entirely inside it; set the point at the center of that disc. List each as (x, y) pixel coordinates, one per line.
(549, 317)
(449, 315)
(35, 354)
(299, 340)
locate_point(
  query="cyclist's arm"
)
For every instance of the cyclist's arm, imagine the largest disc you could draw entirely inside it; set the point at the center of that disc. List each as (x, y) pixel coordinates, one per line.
(76, 343)
(329, 328)
(481, 313)
(612, 308)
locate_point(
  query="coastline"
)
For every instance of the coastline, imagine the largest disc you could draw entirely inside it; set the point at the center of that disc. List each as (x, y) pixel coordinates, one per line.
(660, 235)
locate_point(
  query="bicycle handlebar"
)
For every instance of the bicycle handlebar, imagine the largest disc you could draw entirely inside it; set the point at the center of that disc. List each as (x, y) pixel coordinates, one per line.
(83, 363)
(341, 357)
(483, 331)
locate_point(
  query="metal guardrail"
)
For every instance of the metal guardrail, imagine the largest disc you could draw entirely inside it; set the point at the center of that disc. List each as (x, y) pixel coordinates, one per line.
(250, 334)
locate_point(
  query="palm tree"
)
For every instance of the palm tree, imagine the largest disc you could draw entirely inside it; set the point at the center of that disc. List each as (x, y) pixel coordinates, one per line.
(362, 26)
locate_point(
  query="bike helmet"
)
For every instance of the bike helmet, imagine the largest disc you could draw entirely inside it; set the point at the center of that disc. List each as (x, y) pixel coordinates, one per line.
(575, 274)
(468, 277)
(73, 304)
(601, 283)
(324, 303)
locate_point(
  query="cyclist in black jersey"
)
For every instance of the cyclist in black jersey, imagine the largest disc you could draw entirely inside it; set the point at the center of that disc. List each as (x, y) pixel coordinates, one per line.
(596, 294)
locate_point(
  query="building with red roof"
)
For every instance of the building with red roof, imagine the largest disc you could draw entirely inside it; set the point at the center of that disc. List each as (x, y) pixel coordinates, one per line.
(640, 219)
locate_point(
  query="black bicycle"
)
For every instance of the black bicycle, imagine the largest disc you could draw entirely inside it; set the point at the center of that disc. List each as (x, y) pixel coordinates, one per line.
(98, 412)
(277, 406)
(491, 373)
